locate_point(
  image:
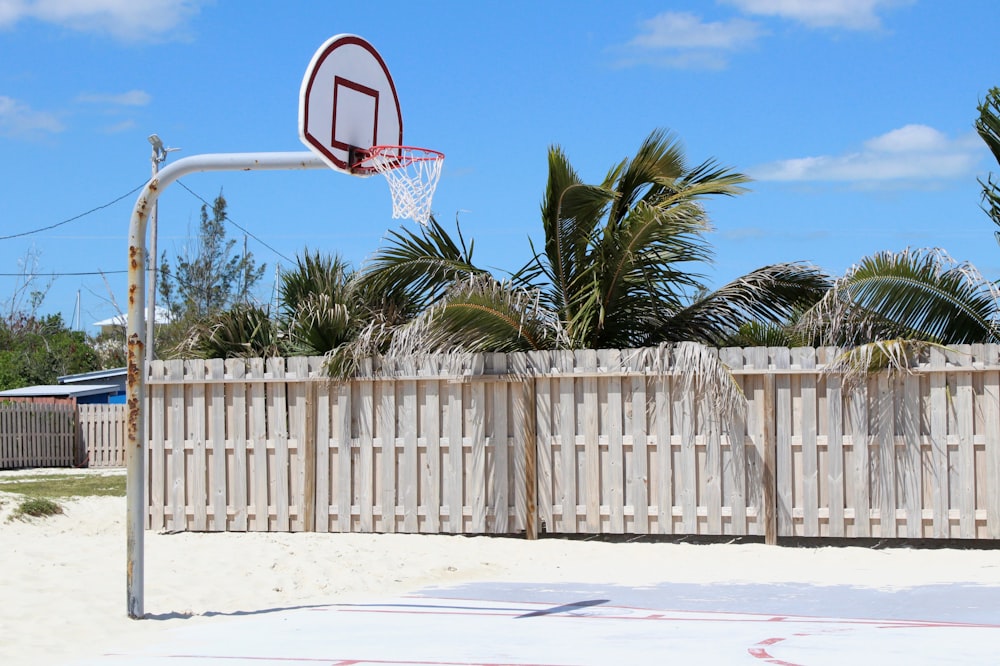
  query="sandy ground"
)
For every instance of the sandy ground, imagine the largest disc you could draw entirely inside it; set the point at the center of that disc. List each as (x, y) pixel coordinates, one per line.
(62, 579)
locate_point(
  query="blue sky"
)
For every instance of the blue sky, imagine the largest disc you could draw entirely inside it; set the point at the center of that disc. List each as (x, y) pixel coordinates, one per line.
(855, 118)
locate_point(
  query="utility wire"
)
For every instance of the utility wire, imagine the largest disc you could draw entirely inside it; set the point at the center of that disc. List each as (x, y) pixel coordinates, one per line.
(75, 217)
(102, 207)
(233, 222)
(54, 275)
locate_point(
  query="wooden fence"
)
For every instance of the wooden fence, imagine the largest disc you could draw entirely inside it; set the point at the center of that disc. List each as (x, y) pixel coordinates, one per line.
(606, 442)
(61, 434)
(102, 435)
(37, 435)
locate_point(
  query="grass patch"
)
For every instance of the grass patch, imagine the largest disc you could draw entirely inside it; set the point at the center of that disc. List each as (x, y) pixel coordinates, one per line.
(36, 507)
(61, 486)
(38, 495)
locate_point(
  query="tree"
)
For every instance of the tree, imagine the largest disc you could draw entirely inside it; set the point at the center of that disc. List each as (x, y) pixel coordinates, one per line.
(211, 277)
(320, 308)
(28, 294)
(39, 350)
(919, 294)
(618, 268)
(988, 127)
(243, 331)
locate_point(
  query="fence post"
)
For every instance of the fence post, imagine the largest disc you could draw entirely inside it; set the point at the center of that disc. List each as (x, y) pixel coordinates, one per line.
(530, 457)
(80, 458)
(770, 454)
(309, 460)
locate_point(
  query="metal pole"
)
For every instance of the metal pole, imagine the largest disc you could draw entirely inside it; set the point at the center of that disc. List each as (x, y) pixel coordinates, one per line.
(151, 306)
(135, 395)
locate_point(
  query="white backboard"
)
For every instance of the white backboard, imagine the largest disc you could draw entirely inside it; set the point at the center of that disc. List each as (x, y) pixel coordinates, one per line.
(348, 100)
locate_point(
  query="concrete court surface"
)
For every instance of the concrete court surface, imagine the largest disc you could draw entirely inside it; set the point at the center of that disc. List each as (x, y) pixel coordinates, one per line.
(489, 624)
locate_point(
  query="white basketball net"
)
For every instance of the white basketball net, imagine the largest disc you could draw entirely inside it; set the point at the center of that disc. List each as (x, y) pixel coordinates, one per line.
(412, 174)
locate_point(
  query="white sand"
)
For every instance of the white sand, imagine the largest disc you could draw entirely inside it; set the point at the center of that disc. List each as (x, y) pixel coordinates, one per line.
(62, 579)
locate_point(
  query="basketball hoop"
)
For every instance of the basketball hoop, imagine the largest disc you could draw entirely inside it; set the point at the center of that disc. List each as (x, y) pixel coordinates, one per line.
(412, 174)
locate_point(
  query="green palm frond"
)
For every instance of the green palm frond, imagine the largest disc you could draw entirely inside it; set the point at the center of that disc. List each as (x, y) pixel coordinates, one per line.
(657, 175)
(314, 273)
(641, 267)
(915, 294)
(770, 295)
(320, 304)
(988, 123)
(988, 127)
(419, 266)
(319, 325)
(571, 212)
(656, 165)
(244, 331)
(480, 314)
(761, 334)
(620, 257)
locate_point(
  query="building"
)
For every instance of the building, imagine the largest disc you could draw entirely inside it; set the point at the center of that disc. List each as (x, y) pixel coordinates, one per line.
(88, 388)
(120, 321)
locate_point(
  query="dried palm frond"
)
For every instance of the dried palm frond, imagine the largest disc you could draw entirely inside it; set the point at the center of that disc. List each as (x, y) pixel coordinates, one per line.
(897, 356)
(701, 372)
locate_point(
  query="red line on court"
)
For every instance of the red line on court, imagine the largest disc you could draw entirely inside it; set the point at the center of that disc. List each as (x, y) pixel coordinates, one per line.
(761, 653)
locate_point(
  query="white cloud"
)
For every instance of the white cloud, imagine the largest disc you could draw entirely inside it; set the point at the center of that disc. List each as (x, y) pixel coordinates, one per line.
(130, 98)
(684, 40)
(908, 154)
(10, 11)
(20, 121)
(129, 20)
(908, 139)
(123, 126)
(683, 30)
(851, 14)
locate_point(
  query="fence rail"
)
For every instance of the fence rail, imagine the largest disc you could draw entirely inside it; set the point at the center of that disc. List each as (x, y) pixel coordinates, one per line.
(607, 442)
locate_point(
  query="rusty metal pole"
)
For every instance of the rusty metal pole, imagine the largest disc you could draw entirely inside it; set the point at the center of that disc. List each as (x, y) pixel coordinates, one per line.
(135, 395)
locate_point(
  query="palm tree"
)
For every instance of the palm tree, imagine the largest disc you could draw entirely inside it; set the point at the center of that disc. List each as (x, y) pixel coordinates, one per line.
(910, 295)
(988, 127)
(320, 309)
(617, 269)
(317, 308)
(243, 331)
(892, 304)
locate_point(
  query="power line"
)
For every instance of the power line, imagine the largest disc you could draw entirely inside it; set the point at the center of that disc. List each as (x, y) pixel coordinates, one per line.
(102, 207)
(75, 217)
(55, 275)
(233, 222)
